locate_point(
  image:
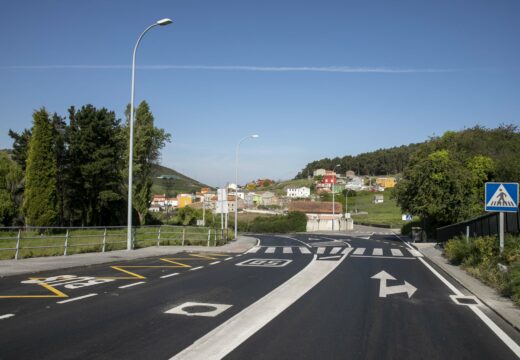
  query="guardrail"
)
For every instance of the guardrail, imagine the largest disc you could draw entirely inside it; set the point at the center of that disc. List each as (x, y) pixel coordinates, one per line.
(17, 243)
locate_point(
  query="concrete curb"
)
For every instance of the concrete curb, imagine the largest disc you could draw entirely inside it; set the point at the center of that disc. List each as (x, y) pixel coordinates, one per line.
(502, 306)
(34, 265)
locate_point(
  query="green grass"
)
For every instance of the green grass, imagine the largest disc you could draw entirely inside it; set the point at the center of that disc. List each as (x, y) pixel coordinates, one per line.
(387, 213)
(51, 243)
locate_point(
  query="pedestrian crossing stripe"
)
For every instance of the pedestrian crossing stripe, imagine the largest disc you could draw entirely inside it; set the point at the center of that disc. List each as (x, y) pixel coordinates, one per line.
(376, 252)
(502, 197)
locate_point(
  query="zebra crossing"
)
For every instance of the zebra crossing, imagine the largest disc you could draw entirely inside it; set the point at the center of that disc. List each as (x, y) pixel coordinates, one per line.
(337, 250)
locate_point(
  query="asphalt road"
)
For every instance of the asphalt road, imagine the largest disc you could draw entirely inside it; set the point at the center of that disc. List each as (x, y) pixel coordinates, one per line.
(291, 297)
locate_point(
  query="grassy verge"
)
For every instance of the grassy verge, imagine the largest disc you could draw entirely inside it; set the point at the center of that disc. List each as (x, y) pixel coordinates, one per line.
(480, 257)
(386, 213)
(52, 242)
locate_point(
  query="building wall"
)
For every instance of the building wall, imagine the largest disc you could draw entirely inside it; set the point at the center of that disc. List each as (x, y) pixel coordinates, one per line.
(184, 200)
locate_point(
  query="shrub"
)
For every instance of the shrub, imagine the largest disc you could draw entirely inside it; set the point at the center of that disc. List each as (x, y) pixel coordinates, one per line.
(294, 221)
(456, 250)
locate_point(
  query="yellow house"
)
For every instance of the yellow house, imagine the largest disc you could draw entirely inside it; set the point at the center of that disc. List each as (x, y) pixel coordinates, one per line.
(183, 199)
(386, 182)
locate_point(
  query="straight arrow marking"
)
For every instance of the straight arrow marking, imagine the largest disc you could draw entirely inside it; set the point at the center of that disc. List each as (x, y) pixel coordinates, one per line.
(385, 290)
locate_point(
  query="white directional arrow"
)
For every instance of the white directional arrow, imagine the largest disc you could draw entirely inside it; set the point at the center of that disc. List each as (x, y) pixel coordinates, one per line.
(384, 290)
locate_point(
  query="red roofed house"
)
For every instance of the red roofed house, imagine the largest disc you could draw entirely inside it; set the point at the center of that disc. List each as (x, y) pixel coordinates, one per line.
(320, 215)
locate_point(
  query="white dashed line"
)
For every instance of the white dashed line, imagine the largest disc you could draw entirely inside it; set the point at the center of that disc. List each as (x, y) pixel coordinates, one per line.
(130, 285)
(215, 262)
(169, 275)
(75, 299)
(6, 316)
(197, 268)
(229, 258)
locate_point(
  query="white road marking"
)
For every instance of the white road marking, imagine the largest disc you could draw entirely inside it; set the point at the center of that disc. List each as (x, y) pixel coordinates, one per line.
(253, 250)
(330, 257)
(130, 285)
(196, 268)
(359, 251)
(75, 299)
(304, 250)
(169, 275)
(270, 250)
(287, 250)
(415, 253)
(229, 258)
(385, 290)
(213, 309)
(215, 262)
(385, 257)
(6, 316)
(320, 250)
(225, 338)
(347, 251)
(396, 252)
(335, 250)
(377, 252)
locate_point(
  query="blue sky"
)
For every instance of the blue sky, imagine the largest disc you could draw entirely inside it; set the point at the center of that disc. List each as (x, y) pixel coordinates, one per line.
(313, 78)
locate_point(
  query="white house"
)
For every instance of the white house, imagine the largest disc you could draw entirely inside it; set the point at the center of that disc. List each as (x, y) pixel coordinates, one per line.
(301, 192)
(319, 172)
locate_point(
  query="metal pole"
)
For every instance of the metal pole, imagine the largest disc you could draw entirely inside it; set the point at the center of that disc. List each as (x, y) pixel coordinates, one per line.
(333, 206)
(104, 240)
(159, 237)
(18, 240)
(204, 211)
(66, 245)
(131, 141)
(501, 216)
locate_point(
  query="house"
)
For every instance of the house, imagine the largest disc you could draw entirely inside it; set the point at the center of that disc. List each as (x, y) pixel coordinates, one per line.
(320, 214)
(351, 174)
(301, 192)
(378, 199)
(386, 182)
(158, 200)
(318, 172)
(269, 198)
(183, 200)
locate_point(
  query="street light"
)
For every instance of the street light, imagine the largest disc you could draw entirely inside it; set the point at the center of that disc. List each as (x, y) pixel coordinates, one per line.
(161, 22)
(254, 136)
(333, 199)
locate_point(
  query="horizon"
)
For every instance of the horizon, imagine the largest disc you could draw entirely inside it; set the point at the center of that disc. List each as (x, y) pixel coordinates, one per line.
(313, 80)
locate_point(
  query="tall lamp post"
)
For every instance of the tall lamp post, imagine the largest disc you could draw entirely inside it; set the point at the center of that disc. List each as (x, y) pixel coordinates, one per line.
(161, 22)
(254, 136)
(333, 198)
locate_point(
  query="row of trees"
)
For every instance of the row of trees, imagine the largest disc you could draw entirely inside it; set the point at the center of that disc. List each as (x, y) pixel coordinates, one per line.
(379, 162)
(444, 181)
(74, 172)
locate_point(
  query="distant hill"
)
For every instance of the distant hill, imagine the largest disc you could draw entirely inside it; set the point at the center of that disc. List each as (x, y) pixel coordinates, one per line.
(170, 182)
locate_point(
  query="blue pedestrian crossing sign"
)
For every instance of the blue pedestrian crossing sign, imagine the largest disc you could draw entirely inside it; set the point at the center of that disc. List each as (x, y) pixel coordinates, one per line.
(501, 197)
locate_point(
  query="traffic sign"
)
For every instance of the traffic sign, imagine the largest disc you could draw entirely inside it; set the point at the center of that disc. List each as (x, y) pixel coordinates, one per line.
(501, 197)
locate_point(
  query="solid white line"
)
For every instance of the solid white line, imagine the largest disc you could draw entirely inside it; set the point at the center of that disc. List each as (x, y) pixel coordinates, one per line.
(215, 262)
(335, 250)
(74, 299)
(396, 252)
(229, 335)
(320, 250)
(377, 252)
(441, 278)
(130, 285)
(229, 258)
(302, 242)
(287, 250)
(359, 251)
(498, 331)
(304, 250)
(197, 268)
(415, 253)
(330, 257)
(169, 275)
(270, 250)
(347, 251)
(6, 316)
(253, 250)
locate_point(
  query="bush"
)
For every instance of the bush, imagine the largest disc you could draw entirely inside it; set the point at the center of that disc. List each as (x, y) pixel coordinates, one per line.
(457, 250)
(294, 221)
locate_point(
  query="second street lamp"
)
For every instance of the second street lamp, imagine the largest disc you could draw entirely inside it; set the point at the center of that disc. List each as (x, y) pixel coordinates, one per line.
(161, 22)
(254, 136)
(333, 200)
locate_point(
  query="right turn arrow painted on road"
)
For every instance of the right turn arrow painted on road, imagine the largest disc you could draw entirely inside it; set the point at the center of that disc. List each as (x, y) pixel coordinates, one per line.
(385, 290)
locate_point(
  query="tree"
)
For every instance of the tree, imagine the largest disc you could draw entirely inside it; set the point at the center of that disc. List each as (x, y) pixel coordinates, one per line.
(94, 172)
(40, 201)
(20, 146)
(148, 142)
(10, 184)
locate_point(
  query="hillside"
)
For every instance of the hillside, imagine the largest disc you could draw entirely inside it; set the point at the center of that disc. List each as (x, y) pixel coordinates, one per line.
(173, 182)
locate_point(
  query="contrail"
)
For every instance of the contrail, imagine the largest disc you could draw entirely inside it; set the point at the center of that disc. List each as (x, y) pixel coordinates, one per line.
(325, 69)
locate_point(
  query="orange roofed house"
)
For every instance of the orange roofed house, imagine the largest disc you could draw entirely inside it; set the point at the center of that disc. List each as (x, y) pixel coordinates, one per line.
(320, 215)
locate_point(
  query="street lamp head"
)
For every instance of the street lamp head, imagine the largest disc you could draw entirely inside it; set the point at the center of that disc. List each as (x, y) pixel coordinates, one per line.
(255, 136)
(164, 22)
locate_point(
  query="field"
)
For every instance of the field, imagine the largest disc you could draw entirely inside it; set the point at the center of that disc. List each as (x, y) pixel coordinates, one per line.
(386, 213)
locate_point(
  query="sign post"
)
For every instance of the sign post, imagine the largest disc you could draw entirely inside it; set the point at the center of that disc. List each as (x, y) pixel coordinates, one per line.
(501, 197)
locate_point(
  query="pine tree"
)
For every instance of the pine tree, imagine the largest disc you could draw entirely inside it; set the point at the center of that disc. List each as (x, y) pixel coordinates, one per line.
(40, 201)
(148, 142)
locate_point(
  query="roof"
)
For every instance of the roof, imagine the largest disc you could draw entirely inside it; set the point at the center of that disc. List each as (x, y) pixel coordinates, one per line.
(315, 207)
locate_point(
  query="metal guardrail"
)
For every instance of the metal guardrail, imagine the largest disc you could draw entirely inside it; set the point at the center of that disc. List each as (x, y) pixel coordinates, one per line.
(486, 225)
(44, 241)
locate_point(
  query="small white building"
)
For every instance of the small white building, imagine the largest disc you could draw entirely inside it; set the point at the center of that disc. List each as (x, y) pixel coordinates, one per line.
(301, 192)
(319, 172)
